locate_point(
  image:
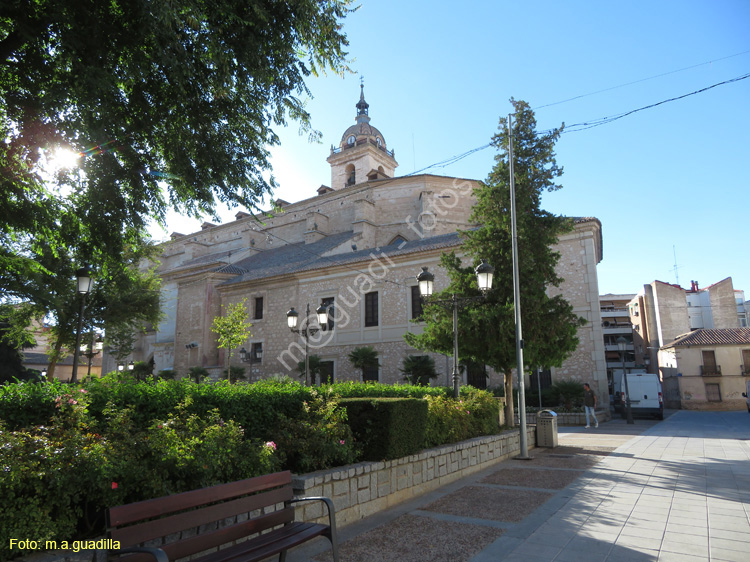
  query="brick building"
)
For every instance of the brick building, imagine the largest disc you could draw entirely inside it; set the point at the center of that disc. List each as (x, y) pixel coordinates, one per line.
(357, 245)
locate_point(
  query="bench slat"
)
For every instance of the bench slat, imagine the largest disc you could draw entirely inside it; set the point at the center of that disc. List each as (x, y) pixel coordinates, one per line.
(227, 535)
(124, 514)
(269, 544)
(149, 530)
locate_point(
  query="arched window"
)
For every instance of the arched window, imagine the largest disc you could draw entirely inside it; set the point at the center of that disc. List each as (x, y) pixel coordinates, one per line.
(351, 175)
(398, 240)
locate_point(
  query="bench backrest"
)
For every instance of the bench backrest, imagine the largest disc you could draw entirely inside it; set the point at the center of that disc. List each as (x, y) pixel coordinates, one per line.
(191, 522)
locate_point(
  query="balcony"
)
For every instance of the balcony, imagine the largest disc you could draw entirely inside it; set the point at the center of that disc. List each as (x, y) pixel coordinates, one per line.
(711, 371)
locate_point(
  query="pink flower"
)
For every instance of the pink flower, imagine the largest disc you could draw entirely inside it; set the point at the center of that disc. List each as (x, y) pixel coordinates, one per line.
(71, 401)
(114, 485)
(83, 390)
(271, 444)
(342, 442)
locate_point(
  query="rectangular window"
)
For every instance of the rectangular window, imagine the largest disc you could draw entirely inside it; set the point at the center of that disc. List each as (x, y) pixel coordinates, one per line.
(371, 309)
(371, 373)
(256, 353)
(326, 372)
(416, 303)
(713, 392)
(329, 302)
(709, 367)
(745, 362)
(258, 308)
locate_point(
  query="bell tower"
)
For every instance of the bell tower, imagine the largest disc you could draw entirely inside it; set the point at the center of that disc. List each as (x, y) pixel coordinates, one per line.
(362, 154)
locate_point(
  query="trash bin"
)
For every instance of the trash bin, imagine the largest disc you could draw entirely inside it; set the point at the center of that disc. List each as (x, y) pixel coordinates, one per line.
(546, 428)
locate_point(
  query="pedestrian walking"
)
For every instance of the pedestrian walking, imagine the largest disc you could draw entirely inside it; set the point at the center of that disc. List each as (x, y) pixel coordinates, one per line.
(589, 404)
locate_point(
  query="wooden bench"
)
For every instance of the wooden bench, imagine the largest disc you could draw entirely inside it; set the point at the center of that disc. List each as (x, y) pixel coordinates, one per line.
(243, 521)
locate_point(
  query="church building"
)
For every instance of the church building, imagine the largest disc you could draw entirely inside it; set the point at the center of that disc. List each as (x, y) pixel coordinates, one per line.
(356, 248)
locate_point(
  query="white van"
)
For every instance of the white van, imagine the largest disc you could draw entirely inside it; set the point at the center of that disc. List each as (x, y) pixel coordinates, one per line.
(646, 398)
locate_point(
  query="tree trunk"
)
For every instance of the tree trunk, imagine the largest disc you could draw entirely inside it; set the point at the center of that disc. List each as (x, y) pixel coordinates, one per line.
(509, 414)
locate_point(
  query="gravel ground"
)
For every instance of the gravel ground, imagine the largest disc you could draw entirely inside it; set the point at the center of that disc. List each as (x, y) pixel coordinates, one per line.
(485, 502)
(547, 479)
(414, 538)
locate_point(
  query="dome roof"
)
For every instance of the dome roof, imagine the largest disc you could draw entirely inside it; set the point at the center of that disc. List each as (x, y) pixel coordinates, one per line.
(362, 130)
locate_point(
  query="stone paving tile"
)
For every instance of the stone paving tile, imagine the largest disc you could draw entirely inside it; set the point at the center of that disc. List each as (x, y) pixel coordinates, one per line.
(721, 555)
(651, 543)
(728, 544)
(636, 553)
(729, 535)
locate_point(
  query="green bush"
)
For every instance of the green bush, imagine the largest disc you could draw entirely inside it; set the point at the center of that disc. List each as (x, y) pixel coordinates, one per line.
(567, 394)
(387, 428)
(319, 437)
(476, 413)
(58, 478)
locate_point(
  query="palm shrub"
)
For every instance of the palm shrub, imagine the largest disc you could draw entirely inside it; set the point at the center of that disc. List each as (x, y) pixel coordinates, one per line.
(419, 369)
(364, 357)
(314, 365)
(566, 393)
(198, 374)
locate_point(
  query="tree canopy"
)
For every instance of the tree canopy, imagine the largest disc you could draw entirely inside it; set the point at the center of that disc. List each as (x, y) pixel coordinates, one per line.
(487, 328)
(166, 105)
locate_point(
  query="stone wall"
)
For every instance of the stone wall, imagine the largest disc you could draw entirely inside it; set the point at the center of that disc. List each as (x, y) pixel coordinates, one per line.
(362, 489)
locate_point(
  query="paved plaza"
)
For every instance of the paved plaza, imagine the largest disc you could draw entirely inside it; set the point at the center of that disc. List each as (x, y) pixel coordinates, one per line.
(675, 490)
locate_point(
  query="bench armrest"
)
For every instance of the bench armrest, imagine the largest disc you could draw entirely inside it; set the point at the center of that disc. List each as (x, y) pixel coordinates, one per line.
(157, 553)
(331, 512)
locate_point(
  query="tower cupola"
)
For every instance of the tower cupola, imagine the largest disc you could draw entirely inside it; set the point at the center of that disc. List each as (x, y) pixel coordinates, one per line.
(362, 153)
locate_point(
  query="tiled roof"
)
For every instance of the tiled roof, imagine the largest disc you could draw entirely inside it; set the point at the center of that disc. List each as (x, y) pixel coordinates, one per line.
(702, 337)
(294, 258)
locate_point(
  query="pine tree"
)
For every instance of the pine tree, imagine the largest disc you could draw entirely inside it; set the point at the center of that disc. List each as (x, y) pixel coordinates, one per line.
(487, 328)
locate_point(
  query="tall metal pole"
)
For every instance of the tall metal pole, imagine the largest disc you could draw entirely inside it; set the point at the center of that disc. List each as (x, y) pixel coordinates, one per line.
(628, 410)
(455, 348)
(517, 300)
(307, 356)
(77, 349)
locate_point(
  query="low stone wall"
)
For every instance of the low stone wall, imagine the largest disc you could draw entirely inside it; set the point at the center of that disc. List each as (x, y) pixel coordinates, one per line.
(576, 418)
(362, 489)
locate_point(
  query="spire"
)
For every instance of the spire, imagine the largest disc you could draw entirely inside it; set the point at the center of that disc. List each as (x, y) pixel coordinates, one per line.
(362, 105)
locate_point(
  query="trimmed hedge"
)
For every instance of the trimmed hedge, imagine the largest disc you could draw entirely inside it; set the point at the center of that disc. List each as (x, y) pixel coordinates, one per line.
(387, 428)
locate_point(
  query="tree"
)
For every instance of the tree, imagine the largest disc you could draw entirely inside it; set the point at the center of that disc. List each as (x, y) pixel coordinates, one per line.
(363, 358)
(232, 329)
(487, 328)
(419, 369)
(167, 105)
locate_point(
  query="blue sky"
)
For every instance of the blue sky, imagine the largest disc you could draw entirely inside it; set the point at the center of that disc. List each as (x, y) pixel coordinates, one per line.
(665, 181)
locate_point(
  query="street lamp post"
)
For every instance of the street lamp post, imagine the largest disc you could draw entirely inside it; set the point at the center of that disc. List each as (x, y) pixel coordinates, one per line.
(622, 344)
(425, 279)
(292, 317)
(83, 281)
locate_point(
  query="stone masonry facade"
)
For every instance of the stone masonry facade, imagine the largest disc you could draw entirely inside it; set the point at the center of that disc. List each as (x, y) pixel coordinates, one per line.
(358, 247)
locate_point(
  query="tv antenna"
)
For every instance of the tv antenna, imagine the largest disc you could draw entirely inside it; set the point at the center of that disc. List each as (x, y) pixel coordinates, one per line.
(676, 267)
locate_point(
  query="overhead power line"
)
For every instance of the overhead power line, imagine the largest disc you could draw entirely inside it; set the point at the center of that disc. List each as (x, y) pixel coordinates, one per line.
(641, 80)
(610, 119)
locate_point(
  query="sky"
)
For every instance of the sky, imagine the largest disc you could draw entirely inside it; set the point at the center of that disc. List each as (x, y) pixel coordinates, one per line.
(668, 183)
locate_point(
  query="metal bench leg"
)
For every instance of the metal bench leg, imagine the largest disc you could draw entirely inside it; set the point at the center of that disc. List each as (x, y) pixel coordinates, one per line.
(282, 556)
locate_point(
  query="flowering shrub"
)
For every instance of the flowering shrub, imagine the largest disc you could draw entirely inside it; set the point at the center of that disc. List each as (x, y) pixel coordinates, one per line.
(318, 438)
